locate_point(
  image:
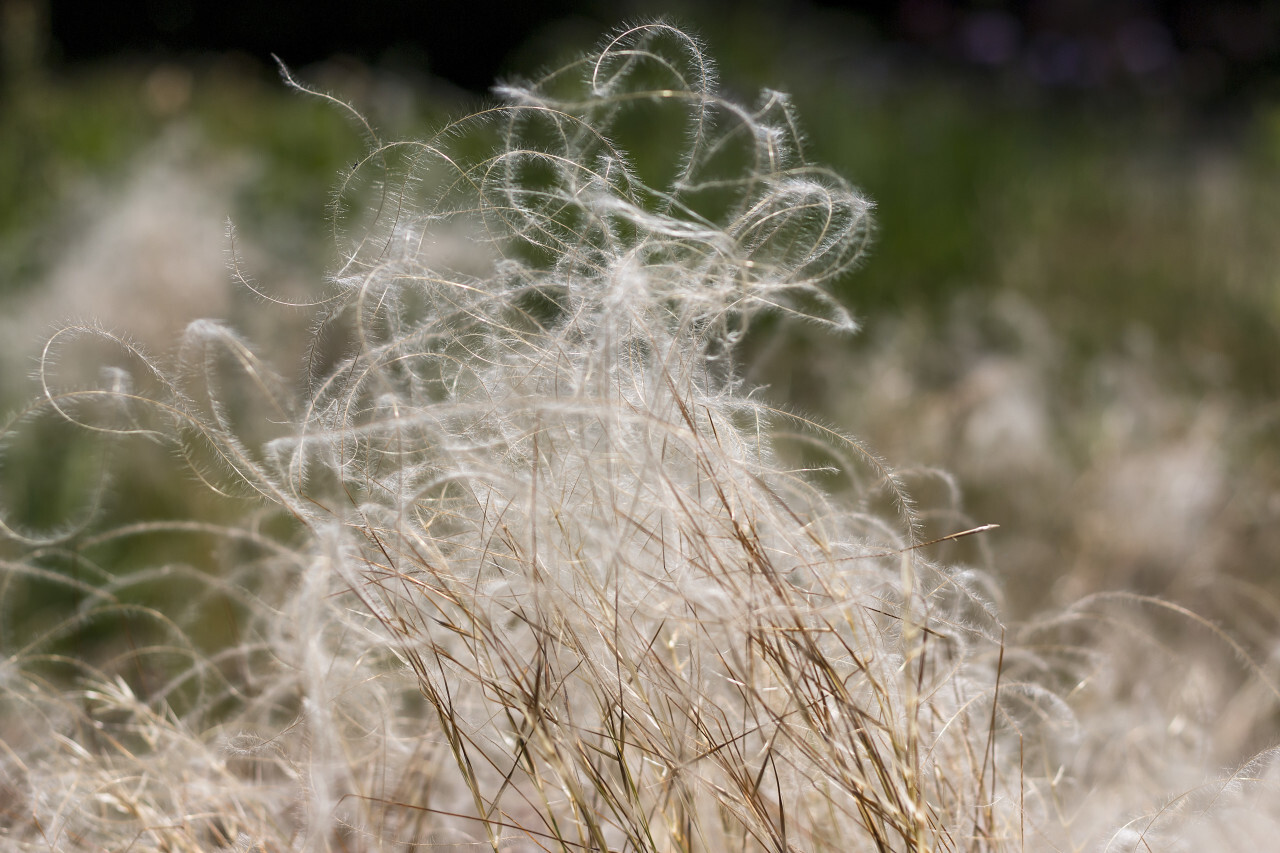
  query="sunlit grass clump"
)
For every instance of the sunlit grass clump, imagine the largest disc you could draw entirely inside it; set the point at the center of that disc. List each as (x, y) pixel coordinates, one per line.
(524, 569)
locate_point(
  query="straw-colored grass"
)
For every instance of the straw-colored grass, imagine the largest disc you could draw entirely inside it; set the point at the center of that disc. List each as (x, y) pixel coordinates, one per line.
(527, 569)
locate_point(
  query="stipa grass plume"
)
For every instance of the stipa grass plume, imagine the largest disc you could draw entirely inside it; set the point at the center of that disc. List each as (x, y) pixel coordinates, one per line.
(548, 584)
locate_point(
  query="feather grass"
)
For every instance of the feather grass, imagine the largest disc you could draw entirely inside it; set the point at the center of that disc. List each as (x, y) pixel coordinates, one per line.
(544, 580)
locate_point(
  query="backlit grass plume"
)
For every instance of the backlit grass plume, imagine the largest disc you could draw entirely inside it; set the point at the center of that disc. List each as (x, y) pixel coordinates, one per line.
(528, 572)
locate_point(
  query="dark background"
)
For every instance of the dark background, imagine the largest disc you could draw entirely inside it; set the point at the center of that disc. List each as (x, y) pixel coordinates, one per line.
(1205, 52)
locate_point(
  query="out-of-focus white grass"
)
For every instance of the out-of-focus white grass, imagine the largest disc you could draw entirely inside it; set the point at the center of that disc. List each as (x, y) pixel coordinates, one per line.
(533, 572)
(153, 242)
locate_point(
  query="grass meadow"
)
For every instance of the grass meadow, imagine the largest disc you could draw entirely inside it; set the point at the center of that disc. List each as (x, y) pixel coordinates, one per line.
(635, 460)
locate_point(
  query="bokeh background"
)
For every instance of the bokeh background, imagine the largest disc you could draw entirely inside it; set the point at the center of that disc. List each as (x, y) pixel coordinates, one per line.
(1072, 307)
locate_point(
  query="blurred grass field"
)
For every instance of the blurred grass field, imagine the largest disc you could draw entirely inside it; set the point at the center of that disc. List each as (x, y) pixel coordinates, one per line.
(1073, 304)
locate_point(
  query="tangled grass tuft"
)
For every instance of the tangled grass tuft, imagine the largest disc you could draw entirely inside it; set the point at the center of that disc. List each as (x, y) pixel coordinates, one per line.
(529, 572)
